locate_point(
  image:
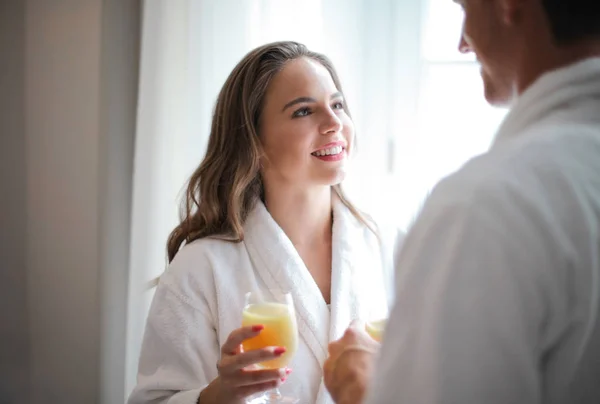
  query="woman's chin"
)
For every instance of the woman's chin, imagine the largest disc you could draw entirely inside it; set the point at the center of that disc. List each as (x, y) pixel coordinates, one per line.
(333, 178)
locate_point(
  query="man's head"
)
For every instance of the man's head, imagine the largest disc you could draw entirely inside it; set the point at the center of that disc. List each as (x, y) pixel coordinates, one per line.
(572, 21)
(516, 41)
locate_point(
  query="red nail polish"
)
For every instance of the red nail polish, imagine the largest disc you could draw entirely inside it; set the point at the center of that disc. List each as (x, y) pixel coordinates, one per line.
(257, 328)
(283, 379)
(279, 351)
(288, 371)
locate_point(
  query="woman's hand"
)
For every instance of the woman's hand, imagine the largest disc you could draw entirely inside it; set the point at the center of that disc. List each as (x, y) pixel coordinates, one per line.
(238, 376)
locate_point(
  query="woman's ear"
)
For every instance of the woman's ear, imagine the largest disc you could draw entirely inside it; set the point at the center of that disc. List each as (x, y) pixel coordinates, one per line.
(263, 159)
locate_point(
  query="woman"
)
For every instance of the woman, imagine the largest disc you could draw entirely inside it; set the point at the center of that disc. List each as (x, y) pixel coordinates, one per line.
(264, 211)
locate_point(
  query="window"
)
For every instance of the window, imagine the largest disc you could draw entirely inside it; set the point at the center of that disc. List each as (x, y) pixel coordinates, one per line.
(441, 118)
(452, 92)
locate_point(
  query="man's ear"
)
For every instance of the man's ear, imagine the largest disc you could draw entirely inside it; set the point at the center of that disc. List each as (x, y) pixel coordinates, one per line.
(511, 10)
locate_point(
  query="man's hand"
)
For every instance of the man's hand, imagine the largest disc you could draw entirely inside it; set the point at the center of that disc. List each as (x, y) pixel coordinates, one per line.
(348, 369)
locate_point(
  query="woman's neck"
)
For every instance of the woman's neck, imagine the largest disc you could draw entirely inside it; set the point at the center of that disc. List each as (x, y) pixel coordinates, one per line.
(303, 214)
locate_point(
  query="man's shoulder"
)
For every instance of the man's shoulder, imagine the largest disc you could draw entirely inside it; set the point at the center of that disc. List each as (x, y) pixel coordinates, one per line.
(483, 175)
(491, 181)
(533, 155)
(537, 170)
(550, 145)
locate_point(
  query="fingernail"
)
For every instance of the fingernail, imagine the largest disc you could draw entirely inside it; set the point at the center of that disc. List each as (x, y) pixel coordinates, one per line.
(283, 379)
(279, 351)
(288, 371)
(257, 328)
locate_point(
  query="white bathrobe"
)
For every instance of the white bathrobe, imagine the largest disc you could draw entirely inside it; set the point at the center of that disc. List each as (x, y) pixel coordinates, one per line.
(200, 298)
(498, 298)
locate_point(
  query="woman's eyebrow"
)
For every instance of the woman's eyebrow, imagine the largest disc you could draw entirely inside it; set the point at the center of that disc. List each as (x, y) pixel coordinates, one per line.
(298, 101)
(307, 99)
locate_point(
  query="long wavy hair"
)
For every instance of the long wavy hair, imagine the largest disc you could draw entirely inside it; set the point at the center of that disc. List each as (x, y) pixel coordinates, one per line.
(224, 188)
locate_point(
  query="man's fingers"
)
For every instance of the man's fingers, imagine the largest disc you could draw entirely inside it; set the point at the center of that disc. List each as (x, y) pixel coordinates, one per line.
(357, 324)
(328, 371)
(355, 329)
(238, 336)
(333, 347)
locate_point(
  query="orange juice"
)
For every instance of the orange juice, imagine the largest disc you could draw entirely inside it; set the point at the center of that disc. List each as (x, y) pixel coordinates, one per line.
(280, 330)
(375, 329)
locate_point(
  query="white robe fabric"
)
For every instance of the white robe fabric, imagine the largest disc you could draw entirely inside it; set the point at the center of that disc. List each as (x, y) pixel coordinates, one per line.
(199, 301)
(498, 294)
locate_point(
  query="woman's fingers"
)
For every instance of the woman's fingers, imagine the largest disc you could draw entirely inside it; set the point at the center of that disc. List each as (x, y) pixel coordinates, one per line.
(253, 377)
(247, 391)
(233, 363)
(237, 369)
(253, 357)
(230, 347)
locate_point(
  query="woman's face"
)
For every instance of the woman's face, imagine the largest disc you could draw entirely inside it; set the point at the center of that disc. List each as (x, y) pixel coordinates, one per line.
(305, 132)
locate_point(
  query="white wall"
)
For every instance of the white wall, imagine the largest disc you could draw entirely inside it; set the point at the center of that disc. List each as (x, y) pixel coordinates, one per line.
(67, 124)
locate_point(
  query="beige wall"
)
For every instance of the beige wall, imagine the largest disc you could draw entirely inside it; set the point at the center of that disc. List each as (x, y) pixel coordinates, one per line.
(62, 92)
(67, 113)
(14, 325)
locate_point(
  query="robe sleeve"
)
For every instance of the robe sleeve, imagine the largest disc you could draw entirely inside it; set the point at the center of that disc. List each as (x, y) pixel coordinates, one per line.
(180, 348)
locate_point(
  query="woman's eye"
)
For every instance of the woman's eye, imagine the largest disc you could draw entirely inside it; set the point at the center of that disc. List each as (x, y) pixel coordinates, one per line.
(301, 112)
(338, 105)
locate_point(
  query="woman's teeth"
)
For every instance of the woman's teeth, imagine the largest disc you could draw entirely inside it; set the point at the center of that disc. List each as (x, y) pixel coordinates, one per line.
(329, 152)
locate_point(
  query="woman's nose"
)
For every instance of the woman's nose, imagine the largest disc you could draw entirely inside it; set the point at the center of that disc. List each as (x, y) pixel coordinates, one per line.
(331, 124)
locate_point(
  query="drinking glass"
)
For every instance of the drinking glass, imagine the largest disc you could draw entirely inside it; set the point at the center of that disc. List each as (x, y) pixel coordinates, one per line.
(278, 317)
(375, 324)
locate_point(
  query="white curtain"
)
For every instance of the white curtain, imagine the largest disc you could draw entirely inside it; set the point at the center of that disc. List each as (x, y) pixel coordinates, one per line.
(416, 102)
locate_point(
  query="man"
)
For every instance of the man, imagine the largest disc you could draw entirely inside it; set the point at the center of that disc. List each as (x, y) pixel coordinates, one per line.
(498, 282)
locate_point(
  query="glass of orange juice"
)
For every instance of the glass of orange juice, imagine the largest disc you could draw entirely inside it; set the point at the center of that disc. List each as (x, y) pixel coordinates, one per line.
(375, 328)
(277, 315)
(377, 319)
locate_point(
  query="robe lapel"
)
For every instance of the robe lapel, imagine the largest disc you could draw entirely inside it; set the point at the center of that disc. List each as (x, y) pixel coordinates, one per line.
(549, 93)
(280, 267)
(357, 281)
(357, 284)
